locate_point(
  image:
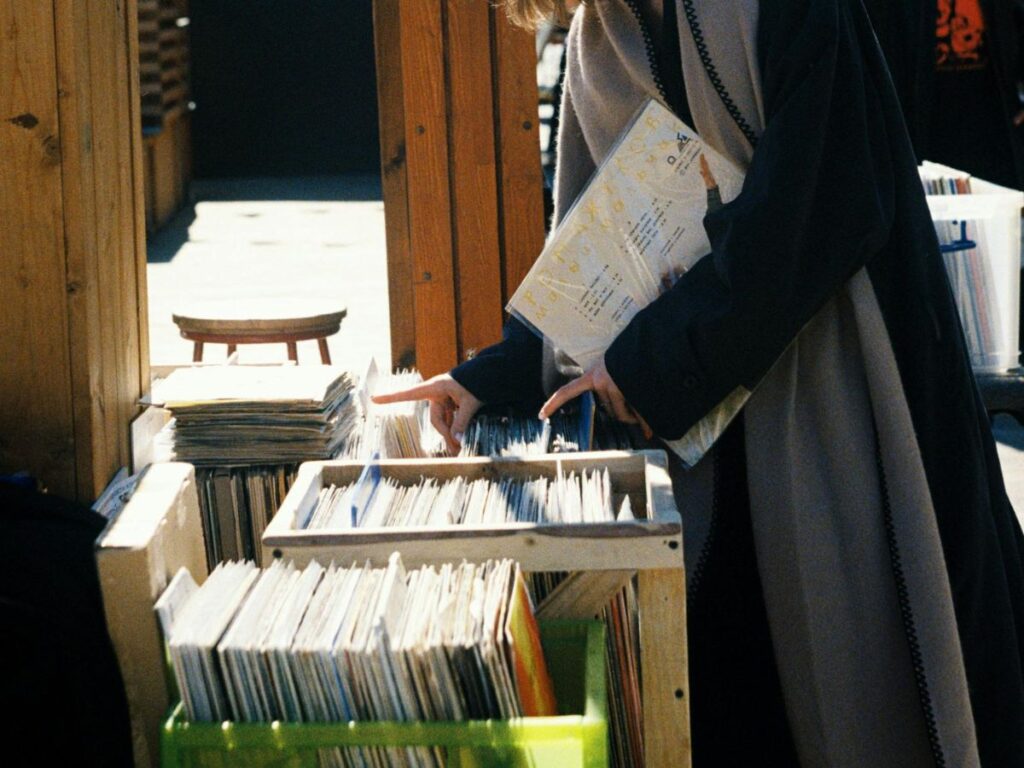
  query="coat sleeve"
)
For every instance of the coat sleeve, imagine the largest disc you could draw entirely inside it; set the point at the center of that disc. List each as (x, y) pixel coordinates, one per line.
(507, 372)
(816, 204)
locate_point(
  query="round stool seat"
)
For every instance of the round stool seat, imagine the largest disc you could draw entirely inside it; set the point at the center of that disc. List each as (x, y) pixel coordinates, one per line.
(264, 330)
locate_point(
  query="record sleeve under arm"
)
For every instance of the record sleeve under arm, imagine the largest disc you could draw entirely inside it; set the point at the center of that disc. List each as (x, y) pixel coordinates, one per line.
(511, 371)
(816, 205)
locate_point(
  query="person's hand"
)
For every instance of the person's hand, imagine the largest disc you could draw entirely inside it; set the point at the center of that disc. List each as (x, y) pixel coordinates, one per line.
(452, 406)
(605, 390)
(705, 172)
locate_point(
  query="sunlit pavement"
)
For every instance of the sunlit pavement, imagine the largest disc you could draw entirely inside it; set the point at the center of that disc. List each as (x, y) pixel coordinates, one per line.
(274, 247)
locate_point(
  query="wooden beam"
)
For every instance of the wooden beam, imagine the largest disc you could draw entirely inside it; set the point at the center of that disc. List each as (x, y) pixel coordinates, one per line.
(36, 423)
(464, 216)
(520, 179)
(426, 139)
(138, 182)
(395, 181)
(473, 176)
(73, 343)
(665, 682)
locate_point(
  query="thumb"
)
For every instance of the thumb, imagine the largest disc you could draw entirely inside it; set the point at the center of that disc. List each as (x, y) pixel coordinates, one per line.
(463, 415)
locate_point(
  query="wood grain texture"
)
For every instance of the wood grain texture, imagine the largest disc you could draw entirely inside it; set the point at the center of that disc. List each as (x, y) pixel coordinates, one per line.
(72, 342)
(473, 171)
(665, 682)
(520, 181)
(583, 595)
(426, 138)
(138, 183)
(394, 181)
(655, 541)
(36, 423)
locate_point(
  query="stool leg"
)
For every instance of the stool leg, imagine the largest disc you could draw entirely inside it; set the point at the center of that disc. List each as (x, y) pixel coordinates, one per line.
(293, 351)
(232, 348)
(197, 352)
(325, 353)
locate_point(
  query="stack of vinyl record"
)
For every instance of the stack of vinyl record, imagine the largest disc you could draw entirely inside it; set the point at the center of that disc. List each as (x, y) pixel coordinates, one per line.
(375, 502)
(395, 430)
(333, 644)
(622, 668)
(236, 504)
(227, 415)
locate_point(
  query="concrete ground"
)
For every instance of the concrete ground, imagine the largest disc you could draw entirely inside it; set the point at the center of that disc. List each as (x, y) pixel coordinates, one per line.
(274, 247)
(267, 246)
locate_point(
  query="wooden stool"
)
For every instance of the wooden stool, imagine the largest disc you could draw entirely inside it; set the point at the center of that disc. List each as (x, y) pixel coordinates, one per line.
(285, 330)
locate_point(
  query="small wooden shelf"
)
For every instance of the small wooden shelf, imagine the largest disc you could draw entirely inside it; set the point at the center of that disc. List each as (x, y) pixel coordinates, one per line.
(602, 556)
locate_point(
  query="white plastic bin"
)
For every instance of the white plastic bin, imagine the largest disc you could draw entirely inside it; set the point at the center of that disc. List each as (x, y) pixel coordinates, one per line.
(980, 235)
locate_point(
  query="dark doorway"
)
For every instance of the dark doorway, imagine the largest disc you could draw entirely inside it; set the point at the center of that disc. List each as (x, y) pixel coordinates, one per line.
(283, 88)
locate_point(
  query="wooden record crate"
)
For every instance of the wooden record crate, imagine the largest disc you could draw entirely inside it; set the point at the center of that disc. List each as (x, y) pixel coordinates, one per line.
(601, 557)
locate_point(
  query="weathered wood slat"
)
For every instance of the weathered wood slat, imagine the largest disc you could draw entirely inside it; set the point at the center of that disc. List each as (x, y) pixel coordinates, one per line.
(665, 678)
(473, 173)
(518, 130)
(426, 139)
(583, 594)
(36, 423)
(394, 180)
(74, 361)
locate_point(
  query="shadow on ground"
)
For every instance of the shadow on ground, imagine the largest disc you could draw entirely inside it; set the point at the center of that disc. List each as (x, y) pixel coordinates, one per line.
(163, 246)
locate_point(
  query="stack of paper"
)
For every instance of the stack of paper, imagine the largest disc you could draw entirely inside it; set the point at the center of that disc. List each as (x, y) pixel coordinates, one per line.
(338, 644)
(236, 504)
(622, 668)
(577, 426)
(395, 430)
(375, 502)
(226, 415)
(969, 265)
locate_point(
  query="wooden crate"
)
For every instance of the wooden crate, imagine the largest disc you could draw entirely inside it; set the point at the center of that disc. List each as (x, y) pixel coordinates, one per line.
(602, 556)
(158, 532)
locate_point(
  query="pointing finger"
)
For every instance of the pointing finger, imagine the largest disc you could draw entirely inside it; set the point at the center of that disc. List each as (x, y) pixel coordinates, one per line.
(428, 390)
(574, 388)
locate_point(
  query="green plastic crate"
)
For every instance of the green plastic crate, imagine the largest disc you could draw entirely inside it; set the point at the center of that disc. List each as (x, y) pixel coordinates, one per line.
(577, 738)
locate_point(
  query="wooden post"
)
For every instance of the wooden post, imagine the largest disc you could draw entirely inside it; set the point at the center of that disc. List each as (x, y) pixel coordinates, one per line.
(665, 678)
(460, 154)
(74, 335)
(520, 179)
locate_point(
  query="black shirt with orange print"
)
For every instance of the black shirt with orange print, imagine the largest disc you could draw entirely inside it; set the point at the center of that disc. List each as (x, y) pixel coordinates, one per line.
(956, 65)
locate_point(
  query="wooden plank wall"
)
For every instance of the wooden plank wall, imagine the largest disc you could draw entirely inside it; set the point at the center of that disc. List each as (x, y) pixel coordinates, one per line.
(163, 41)
(461, 173)
(73, 336)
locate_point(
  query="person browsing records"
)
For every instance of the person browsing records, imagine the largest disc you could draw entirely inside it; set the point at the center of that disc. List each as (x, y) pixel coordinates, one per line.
(854, 566)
